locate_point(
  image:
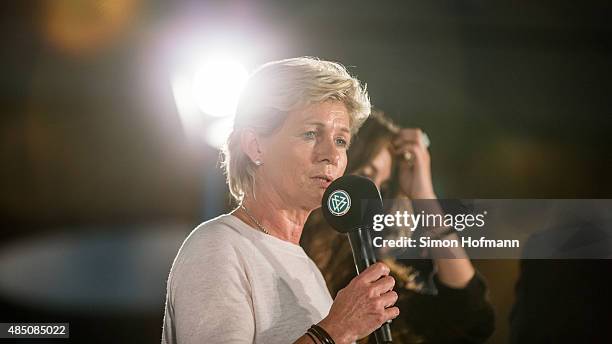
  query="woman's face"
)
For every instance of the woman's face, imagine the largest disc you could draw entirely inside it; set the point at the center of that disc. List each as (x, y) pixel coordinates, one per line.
(306, 154)
(379, 168)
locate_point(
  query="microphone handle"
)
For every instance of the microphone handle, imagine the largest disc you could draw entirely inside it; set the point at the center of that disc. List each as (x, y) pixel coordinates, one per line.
(363, 255)
(383, 334)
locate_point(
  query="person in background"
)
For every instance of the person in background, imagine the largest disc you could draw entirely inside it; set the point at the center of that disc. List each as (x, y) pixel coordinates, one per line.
(444, 301)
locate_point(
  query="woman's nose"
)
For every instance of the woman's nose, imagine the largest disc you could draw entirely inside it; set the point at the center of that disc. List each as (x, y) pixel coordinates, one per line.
(328, 151)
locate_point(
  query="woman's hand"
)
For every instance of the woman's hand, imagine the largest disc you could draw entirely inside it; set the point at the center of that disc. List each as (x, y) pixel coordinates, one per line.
(363, 306)
(414, 174)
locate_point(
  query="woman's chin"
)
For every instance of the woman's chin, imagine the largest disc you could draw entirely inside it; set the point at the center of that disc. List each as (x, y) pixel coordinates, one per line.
(313, 198)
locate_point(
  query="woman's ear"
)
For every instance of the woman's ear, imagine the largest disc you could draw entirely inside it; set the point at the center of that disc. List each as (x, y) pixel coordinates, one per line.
(251, 145)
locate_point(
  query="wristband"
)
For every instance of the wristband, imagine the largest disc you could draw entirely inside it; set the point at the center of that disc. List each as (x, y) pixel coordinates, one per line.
(323, 336)
(311, 337)
(317, 335)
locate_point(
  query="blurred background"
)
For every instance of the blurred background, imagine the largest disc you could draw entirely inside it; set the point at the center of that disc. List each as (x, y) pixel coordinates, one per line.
(113, 111)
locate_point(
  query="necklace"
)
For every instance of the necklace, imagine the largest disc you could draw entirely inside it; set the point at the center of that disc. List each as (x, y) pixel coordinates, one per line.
(260, 227)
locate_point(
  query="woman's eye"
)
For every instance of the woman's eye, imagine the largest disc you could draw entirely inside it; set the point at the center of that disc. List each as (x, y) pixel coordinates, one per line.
(341, 142)
(310, 134)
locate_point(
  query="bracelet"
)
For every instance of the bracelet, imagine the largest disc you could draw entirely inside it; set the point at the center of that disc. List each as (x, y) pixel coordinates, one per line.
(321, 334)
(311, 337)
(313, 333)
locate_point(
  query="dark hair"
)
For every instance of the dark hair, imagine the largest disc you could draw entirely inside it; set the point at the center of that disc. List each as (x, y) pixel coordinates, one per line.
(376, 134)
(373, 136)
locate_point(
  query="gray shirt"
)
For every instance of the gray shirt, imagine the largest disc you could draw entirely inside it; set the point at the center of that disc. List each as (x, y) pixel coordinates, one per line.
(231, 283)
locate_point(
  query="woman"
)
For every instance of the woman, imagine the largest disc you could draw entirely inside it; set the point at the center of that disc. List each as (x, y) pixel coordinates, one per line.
(450, 307)
(242, 277)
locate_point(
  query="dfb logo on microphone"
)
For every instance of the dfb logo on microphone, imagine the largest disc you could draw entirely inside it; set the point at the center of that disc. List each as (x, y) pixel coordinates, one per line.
(339, 203)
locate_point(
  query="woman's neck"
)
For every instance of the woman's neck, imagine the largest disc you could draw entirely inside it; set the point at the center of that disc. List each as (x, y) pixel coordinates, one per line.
(280, 221)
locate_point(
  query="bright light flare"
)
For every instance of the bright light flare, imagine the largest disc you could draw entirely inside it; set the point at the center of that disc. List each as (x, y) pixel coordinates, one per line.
(217, 132)
(192, 119)
(217, 84)
(206, 95)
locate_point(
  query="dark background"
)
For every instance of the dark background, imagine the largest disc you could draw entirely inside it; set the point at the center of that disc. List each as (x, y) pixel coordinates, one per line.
(100, 184)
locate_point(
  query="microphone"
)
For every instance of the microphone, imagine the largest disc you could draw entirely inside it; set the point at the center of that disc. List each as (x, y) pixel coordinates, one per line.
(349, 205)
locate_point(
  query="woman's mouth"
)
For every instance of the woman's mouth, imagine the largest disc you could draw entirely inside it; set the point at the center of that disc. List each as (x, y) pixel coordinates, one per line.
(323, 180)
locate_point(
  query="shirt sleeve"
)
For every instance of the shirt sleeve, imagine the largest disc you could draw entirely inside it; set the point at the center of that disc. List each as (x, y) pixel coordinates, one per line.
(472, 296)
(467, 312)
(454, 315)
(210, 295)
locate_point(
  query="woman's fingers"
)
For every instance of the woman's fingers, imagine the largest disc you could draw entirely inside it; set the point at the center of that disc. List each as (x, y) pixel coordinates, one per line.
(407, 145)
(365, 304)
(373, 273)
(391, 313)
(402, 143)
(410, 151)
(383, 285)
(409, 134)
(389, 298)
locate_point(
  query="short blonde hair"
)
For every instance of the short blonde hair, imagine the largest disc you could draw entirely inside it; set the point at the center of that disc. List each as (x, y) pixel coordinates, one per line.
(275, 89)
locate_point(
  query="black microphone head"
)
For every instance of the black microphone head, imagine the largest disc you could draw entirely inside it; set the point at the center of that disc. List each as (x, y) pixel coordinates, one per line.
(350, 202)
